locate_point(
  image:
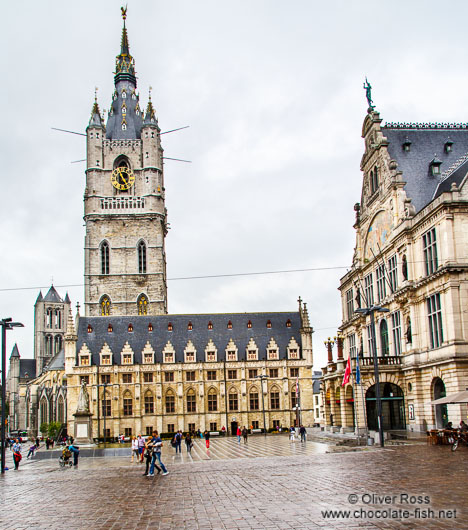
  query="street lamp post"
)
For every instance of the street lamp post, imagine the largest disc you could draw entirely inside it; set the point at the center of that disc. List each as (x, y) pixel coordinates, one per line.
(262, 377)
(370, 311)
(6, 323)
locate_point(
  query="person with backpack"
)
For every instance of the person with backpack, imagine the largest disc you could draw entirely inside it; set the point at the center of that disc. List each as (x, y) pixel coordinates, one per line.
(188, 442)
(245, 433)
(178, 441)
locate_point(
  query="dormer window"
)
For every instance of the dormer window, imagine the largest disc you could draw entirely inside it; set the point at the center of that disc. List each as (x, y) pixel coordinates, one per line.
(435, 166)
(229, 325)
(169, 326)
(210, 325)
(288, 323)
(110, 329)
(249, 324)
(269, 324)
(124, 94)
(448, 145)
(189, 326)
(130, 328)
(150, 327)
(406, 145)
(90, 329)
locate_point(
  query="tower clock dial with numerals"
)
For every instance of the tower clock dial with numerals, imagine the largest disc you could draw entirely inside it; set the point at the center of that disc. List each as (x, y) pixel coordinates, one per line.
(122, 178)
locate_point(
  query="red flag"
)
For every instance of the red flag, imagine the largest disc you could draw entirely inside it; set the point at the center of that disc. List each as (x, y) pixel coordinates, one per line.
(347, 373)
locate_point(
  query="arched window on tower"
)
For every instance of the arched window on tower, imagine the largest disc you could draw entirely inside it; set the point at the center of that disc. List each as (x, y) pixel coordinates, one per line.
(48, 345)
(49, 317)
(105, 257)
(142, 304)
(57, 344)
(105, 306)
(142, 257)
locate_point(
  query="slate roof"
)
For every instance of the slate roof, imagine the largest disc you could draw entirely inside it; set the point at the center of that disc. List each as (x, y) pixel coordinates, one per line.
(52, 296)
(15, 351)
(199, 335)
(57, 362)
(426, 141)
(27, 366)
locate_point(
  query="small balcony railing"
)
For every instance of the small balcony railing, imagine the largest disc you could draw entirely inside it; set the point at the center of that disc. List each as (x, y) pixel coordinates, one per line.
(389, 360)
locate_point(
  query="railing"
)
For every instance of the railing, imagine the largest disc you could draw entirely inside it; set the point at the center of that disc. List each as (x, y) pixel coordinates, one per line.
(385, 361)
(123, 203)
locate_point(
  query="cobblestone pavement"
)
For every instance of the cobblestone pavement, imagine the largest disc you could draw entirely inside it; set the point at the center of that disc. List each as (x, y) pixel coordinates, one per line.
(236, 488)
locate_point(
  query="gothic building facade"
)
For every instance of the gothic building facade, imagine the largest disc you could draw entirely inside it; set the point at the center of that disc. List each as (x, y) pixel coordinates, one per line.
(410, 260)
(143, 368)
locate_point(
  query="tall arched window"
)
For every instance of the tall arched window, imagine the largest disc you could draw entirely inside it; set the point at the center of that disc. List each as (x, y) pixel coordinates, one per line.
(60, 410)
(44, 410)
(57, 344)
(233, 400)
(105, 306)
(212, 400)
(142, 257)
(170, 402)
(58, 318)
(191, 401)
(49, 317)
(105, 257)
(142, 305)
(127, 404)
(48, 345)
(149, 403)
(384, 337)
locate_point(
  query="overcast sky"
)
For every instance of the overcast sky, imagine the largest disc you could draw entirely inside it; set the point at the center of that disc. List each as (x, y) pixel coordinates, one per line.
(273, 95)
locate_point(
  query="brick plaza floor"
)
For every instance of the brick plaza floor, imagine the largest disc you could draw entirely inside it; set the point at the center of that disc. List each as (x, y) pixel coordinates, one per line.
(270, 484)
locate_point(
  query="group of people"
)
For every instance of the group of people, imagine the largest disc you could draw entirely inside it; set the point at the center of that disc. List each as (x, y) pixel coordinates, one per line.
(293, 431)
(242, 433)
(152, 453)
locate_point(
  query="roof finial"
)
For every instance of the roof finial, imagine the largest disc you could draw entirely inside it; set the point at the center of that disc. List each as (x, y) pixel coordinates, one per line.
(124, 13)
(368, 88)
(95, 94)
(149, 92)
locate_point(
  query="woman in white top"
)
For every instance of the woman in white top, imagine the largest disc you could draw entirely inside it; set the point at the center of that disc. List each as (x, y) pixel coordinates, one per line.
(135, 449)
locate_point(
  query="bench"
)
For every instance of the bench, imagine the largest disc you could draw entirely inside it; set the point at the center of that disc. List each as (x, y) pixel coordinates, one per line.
(256, 430)
(214, 433)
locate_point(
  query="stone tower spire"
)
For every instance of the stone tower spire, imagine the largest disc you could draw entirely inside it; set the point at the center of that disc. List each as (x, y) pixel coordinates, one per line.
(125, 117)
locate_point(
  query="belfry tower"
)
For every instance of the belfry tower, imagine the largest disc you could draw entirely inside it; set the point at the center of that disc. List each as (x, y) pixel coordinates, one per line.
(124, 209)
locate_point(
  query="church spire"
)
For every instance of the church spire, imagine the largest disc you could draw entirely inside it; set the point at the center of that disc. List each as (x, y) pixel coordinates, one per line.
(125, 117)
(124, 63)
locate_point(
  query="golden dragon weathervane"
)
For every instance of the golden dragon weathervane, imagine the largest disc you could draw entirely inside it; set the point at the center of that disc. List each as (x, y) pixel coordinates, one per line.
(124, 12)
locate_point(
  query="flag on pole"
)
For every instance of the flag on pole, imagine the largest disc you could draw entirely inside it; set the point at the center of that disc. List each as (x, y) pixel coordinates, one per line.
(347, 373)
(358, 371)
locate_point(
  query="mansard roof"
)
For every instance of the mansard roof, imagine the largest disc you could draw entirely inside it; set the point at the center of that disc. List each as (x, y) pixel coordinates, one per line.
(245, 326)
(427, 141)
(52, 296)
(27, 368)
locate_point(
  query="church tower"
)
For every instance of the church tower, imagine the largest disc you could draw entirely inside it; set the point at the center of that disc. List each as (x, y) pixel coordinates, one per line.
(124, 208)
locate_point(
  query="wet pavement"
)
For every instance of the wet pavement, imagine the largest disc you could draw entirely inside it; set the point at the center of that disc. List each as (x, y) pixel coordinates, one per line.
(269, 484)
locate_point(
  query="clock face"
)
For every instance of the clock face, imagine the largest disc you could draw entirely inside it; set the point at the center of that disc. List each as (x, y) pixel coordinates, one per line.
(122, 178)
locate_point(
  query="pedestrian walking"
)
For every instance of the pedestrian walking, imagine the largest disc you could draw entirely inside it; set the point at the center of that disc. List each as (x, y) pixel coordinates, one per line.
(32, 451)
(245, 433)
(206, 435)
(292, 434)
(141, 447)
(156, 443)
(178, 441)
(17, 453)
(188, 442)
(47, 442)
(149, 457)
(76, 453)
(303, 433)
(238, 434)
(135, 452)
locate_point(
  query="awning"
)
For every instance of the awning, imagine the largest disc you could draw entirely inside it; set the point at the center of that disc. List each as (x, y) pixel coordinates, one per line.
(459, 397)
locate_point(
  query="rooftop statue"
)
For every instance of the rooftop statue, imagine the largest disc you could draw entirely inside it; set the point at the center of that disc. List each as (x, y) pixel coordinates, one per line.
(368, 88)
